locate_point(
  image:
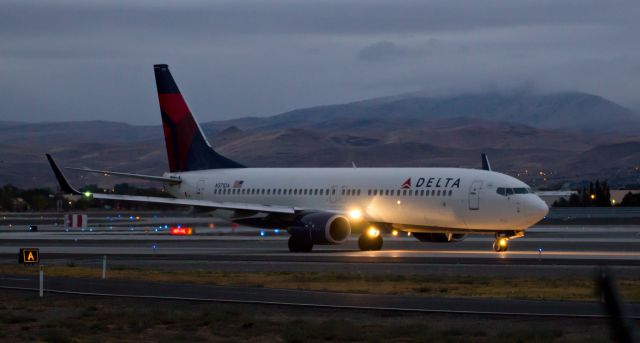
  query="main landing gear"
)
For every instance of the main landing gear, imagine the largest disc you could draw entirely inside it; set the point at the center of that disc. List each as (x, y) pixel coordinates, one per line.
(370, 240)
(300, 243)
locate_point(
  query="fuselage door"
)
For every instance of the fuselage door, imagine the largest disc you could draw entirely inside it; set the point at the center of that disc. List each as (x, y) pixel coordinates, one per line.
(333, 195)
(200, 186)
(474, 195)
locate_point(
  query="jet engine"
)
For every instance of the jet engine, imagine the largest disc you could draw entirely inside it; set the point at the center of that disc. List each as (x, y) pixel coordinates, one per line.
(439, 237)
(322, 228)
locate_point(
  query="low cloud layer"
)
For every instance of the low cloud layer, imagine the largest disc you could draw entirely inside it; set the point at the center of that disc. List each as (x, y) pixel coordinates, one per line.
(80, 60)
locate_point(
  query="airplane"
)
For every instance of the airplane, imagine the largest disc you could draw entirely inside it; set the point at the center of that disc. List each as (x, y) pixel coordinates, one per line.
(323, 206)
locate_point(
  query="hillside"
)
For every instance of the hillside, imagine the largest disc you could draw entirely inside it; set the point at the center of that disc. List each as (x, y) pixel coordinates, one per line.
(380, 132)
(564, 111)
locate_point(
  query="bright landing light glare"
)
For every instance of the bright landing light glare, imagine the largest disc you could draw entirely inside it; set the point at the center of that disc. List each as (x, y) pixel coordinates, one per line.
(355, 214)
(373, 232)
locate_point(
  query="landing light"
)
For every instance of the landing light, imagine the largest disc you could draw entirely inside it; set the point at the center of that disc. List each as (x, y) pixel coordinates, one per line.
(373, 232)
(355, 214)
(394, 233)
(503, 242)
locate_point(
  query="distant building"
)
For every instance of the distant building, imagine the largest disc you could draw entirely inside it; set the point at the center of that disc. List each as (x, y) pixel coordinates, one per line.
(552, 196)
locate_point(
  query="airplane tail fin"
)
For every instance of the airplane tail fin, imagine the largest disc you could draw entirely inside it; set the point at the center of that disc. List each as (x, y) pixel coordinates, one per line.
(187, 146)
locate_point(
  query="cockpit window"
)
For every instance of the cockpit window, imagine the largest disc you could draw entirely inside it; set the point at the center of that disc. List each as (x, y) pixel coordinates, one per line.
(511, 191)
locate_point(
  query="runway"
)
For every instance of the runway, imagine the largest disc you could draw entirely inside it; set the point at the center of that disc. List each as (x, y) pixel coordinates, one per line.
(618, 246)
(545, 251)
(335, 300)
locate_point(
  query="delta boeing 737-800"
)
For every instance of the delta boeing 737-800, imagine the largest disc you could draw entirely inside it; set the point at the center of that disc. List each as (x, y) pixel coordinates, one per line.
(325, 205)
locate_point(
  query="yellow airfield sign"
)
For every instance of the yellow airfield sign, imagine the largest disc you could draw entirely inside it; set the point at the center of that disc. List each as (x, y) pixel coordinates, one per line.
(29, 256)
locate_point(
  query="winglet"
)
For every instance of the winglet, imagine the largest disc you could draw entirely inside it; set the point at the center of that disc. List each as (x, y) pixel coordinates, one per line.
(485, 162)
(64, 184)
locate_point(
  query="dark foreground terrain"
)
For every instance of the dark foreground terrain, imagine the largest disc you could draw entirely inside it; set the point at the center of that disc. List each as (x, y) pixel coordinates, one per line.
(66, 318)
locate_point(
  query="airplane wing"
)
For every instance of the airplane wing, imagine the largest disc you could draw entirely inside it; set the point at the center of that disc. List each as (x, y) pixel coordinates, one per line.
(485, 162)
(172, 180)
(67, 188)
(195, 202)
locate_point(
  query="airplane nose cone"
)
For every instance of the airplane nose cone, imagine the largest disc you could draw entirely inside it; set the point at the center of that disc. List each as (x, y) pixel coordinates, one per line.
(538, 208)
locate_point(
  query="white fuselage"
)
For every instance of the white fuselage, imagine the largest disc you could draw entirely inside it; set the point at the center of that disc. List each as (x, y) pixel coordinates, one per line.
(431, 199)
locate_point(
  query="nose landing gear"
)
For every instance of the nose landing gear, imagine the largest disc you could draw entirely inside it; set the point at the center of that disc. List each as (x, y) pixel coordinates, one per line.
(501, 243)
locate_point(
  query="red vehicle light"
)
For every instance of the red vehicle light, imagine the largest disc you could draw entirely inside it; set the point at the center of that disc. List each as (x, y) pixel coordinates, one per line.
(181, 231)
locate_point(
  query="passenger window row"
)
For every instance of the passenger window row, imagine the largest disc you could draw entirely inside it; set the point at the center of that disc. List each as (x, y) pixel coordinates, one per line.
(326, 192)
(511, 191)
(273, 191)
(410, 192)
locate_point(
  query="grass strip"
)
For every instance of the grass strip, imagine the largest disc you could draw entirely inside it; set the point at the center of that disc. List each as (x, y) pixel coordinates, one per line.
(534, 288)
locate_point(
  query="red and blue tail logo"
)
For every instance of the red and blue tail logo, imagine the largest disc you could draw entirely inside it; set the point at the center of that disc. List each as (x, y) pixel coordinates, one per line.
(187, 147)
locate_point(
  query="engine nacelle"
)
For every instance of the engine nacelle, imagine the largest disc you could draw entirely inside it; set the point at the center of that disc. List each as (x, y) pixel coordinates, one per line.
(323, 228)
(439, 237)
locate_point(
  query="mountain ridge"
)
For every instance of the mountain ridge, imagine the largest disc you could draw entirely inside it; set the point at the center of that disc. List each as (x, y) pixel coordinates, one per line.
(390, 131)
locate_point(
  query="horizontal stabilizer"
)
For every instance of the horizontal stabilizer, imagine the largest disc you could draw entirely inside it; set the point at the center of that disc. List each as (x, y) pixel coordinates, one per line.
(172, 180)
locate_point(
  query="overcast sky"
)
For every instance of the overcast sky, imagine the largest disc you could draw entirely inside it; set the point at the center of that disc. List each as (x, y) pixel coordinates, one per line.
(85, 60)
